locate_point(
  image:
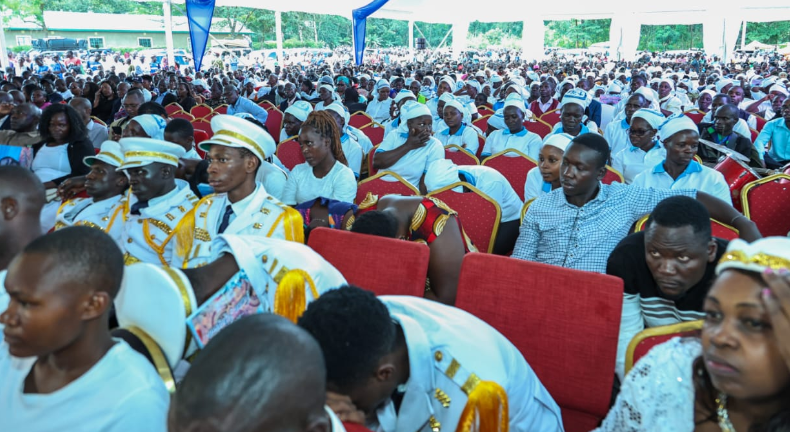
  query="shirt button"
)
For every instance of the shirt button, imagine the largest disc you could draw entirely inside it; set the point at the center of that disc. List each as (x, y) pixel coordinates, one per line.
(129, 240)
(438, 356)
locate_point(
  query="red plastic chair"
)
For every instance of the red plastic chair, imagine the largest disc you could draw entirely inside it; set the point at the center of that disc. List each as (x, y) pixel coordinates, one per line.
(274, 123)
(484, 111)
(482, 123)
(201, 110)
(514, 169)
(183, 115)
(760, 123)
(265, 104)
(203, 125)
(359, 119)
(568, 337)
(718, 229)
(380, 187)
(754, 133)
(478, 213)
(290, 153)
(551, 118)
(390, 267)
(645, 340)
(375, 132)
(612, 175)
(767, 203)
(222, 109)
(481, 143)
(695, 115)
(173, 108)
(460, 155)
(538, 127)
(199, 136)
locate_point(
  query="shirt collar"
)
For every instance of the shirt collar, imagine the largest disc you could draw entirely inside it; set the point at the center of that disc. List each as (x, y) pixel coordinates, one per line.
(624, 124)
(693, 167)
(240, 207)
(468, 177)
(459, 133)
(655, 146)
(520, 133)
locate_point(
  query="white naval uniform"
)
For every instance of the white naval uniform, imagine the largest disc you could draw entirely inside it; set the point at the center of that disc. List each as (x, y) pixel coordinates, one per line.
(450, 352)
(160, 219)
(259, 214)
(106, 215)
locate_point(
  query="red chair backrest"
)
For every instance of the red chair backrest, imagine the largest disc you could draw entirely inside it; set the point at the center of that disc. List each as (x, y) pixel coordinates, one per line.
(173, 108)
(717, 228)
(200, 136)
(567, 331)
(183, 115)
(274, 123)
(644, 346)
(359, 119)
(389, 266)
(484, 111)
(514, 169)
(222, 109)
(265, 104)
(754, 133)
(290, 153)
(479, 214)
(760, 123)
(354, 427)
(203, 125)
(200, 111)
(767, 203)
(377, 186)
(375, 132)
(481, 143)
(371, 171)
(551, 118)
(482, 123)
(696, 116)
(612, 176)
(538, 127)
(460, 156)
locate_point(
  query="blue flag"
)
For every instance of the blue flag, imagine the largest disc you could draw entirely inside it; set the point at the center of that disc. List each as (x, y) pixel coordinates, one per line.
(359, 26)
(199, 14)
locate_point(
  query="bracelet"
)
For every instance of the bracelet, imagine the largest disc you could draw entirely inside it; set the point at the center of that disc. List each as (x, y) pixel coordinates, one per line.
(732, 222)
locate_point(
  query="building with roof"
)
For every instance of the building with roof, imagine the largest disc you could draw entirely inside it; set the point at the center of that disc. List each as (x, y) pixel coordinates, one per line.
(113, 31)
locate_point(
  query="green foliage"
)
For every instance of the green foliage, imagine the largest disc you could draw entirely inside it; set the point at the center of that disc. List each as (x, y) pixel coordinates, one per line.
(20, 48)
(670, 37)
(576, 33)
(773, 33)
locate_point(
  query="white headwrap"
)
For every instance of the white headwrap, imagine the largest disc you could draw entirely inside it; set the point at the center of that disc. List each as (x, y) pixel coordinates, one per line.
(382, 83)
(449, 80)
(455, 103)
(669, 81)
(495, 79)
(146, 95)
(153, 125)
(446, 97)
(300, 109)
(404, 94)
(341, 111)
(328, 87)
(720, 84)
(560, 141)
(441, 173)
(474, 84)
(515, 100)
(614, 87)
(497, 120)
(674, 124)
(411, 110)
(779, 89)
(575, 96)
(654, 118)
(647, 92)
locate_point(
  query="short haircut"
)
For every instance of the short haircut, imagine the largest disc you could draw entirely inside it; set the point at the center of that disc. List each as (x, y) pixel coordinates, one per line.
(597, 143)
(83, 103)
(376, 222)
(152, 107)
(276, 371)
(83, 254)
(354, 330)
(680, 211)
(182, 128)
(136, 92)
(734, 111)
(21, 183)
(77, 129)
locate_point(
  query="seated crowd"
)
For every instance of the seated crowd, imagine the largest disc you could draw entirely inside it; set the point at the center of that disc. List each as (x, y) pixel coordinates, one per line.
(123, 217)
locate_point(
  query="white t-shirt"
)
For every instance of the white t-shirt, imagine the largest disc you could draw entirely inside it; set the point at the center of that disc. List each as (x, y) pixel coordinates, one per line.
(339, 184)
(415, 163)
(120, 393)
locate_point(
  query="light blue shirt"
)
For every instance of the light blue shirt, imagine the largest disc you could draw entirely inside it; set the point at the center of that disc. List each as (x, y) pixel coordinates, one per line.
(616, 135)
(243, 105)
(524, 141)
(559, 233)
(492, 183)
(695, 176)
(632, 161)
(465, 137)
(777, 133)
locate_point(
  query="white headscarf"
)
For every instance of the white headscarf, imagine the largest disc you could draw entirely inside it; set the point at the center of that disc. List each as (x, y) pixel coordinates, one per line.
(441, 173)
(300, 109)
(560, 141)
(654, 118)
(411, 110)
(674, 124)
(153, 125)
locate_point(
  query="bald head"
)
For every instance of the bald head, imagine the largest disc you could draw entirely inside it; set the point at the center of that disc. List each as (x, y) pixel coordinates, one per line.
(260, 373)
(83, 107)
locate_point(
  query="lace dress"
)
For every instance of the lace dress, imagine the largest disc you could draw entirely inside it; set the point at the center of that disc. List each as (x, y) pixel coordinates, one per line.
(658, 393)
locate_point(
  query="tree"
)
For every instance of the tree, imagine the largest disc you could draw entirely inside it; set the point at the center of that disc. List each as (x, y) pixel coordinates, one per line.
(30, 11)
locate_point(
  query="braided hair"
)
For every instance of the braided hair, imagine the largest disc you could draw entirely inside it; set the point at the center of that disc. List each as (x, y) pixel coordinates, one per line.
(324, 124)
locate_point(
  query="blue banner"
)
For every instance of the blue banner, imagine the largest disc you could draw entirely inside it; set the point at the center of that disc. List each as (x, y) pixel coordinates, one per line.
(359, 26)
(199, 14)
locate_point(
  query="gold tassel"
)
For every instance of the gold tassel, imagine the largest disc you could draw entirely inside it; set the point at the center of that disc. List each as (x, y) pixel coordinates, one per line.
(293, 224)
(290, 298)
(369, 201)
(185, 234)
(486, 409)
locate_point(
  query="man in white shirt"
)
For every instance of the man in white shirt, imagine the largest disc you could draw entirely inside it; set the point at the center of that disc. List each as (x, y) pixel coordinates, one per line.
(240, 205)
(96, 132)
(284, 381)
(59, 365)
(679, 170)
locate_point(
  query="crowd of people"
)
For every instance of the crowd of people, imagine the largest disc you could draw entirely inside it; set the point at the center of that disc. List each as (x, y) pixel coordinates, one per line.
(116, 226)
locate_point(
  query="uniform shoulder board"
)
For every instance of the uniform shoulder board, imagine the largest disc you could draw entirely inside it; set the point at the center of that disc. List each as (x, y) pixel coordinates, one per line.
(452, 369)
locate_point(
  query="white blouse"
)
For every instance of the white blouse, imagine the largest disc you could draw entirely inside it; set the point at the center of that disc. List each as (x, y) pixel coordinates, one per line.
(339, 184)
(51, 162)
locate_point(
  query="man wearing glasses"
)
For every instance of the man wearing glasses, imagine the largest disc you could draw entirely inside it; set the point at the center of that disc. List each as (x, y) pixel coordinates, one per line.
(6, 105)
(131, 103)
(777, 132)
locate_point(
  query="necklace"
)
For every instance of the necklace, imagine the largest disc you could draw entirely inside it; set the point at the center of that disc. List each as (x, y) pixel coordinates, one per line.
(724, 416)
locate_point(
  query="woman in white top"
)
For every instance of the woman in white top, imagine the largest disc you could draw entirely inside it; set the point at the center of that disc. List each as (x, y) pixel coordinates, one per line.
(545, 177)
(644, 151)
(379, 108)
(457, 131)
(324, 174)
(736, 376)
(514, 135)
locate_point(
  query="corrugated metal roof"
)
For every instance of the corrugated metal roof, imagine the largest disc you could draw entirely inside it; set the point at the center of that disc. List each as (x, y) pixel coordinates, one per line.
(101, 22)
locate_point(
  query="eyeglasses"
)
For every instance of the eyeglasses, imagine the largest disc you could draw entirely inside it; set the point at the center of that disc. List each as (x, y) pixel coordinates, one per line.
(639, 132)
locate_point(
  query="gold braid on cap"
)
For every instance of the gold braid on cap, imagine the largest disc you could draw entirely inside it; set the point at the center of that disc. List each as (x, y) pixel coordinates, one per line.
(760, 259)
(245, 139)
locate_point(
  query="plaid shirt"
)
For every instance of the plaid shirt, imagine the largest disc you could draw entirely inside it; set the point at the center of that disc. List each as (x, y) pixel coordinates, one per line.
(559, 233)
